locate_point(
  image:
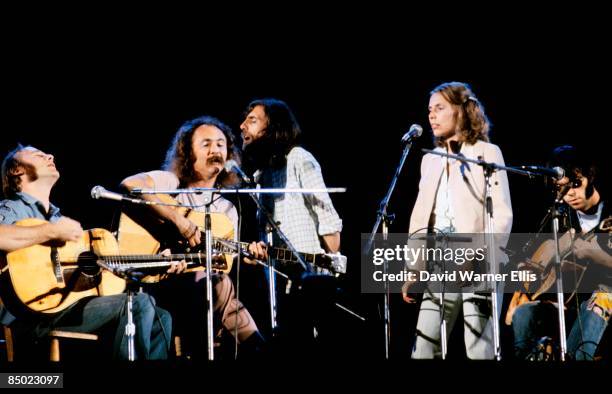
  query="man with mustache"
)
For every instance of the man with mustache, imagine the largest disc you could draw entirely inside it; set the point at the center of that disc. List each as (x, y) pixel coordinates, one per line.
(196, 158)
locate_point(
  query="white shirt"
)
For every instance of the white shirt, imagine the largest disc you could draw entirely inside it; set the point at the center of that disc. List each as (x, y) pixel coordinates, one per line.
(589, 222)
(443, 211)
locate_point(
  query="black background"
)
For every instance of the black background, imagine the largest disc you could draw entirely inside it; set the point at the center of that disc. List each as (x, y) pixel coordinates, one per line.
(105, 93)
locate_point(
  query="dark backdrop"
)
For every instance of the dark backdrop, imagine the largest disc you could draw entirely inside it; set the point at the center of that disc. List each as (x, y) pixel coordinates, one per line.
(111, 112)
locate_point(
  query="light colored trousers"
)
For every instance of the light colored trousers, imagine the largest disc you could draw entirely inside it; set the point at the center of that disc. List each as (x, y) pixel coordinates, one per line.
(477, 324)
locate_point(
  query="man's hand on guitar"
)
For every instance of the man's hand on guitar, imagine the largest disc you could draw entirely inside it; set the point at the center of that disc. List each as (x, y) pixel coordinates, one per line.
(584, 249)
(591, 250)
(259, 250)
(175, 267)
(66, 229)
(188, 230)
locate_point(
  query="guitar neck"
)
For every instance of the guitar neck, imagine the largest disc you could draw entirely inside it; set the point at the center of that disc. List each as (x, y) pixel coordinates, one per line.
(284, 254)
(152, 261)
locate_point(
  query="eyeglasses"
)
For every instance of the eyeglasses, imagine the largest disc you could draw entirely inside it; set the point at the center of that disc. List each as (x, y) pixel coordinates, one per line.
(575, 181)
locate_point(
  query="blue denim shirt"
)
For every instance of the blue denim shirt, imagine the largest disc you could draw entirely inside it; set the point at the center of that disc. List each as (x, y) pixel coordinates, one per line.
(23, 206)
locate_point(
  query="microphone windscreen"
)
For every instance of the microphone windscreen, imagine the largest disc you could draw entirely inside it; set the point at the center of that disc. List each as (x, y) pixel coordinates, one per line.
(229, 165)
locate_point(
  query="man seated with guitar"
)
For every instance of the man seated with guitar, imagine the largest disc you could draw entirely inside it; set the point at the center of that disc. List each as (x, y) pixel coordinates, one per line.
(589, 214)
(196, 158)
(28, 175)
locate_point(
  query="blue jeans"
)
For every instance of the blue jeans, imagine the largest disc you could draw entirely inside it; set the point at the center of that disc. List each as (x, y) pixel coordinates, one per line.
(533, 321)
(589, 327)
(153, 325)
(530, 323)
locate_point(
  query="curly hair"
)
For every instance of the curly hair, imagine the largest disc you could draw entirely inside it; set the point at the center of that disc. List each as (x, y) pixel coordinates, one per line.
(472, 123)
(180, 158)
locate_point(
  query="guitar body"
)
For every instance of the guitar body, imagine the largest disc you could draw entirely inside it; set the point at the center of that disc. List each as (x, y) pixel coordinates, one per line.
(140, 233)
(49, 278)
(542, 263)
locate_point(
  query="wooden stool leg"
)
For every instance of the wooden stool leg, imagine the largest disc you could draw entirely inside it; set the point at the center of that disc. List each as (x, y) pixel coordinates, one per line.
(177, 346)
(8, 338)
(54, 352)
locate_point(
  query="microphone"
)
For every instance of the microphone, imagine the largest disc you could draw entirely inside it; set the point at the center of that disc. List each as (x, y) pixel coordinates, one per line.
(556, 173)
(414, 132)
(562, 191)
(232, 166)
(98, 192)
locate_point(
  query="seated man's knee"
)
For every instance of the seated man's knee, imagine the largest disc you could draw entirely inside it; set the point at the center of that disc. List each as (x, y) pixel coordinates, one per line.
(143, 303)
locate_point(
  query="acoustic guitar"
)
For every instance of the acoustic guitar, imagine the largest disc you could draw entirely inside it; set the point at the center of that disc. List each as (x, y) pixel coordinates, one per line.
(141, 232)
(50, 277)
(542, 263)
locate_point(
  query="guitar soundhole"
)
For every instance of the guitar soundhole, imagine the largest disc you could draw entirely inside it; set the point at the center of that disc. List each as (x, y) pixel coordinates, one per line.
(84, 275)
(88, 264)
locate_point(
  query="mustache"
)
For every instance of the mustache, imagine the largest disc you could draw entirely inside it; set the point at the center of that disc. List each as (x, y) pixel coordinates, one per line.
(215, 159)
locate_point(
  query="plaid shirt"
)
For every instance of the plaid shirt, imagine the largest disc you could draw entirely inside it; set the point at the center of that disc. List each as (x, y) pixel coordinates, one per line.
(303, 217)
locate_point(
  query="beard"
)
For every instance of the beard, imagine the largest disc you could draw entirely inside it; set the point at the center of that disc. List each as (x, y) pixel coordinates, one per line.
(263, 153)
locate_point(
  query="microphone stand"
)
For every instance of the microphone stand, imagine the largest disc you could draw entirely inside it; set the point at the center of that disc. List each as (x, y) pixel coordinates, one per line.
(130, 326)
(209, 296)
(555, 213)
(443, 338)
(490, 231)
(560, 295)
(558, 200)
(271, 227)
(271, 282)
(382, 216)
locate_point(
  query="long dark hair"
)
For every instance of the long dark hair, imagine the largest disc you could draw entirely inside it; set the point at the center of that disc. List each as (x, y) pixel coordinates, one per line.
(576, 163)
(180, 158)
(281, 135)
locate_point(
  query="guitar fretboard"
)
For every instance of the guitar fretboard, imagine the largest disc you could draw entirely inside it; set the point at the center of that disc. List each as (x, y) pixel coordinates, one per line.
(153, 258)
(156, 261)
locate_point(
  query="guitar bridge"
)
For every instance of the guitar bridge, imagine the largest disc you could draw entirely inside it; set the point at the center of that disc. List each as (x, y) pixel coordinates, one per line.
(57, 267)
